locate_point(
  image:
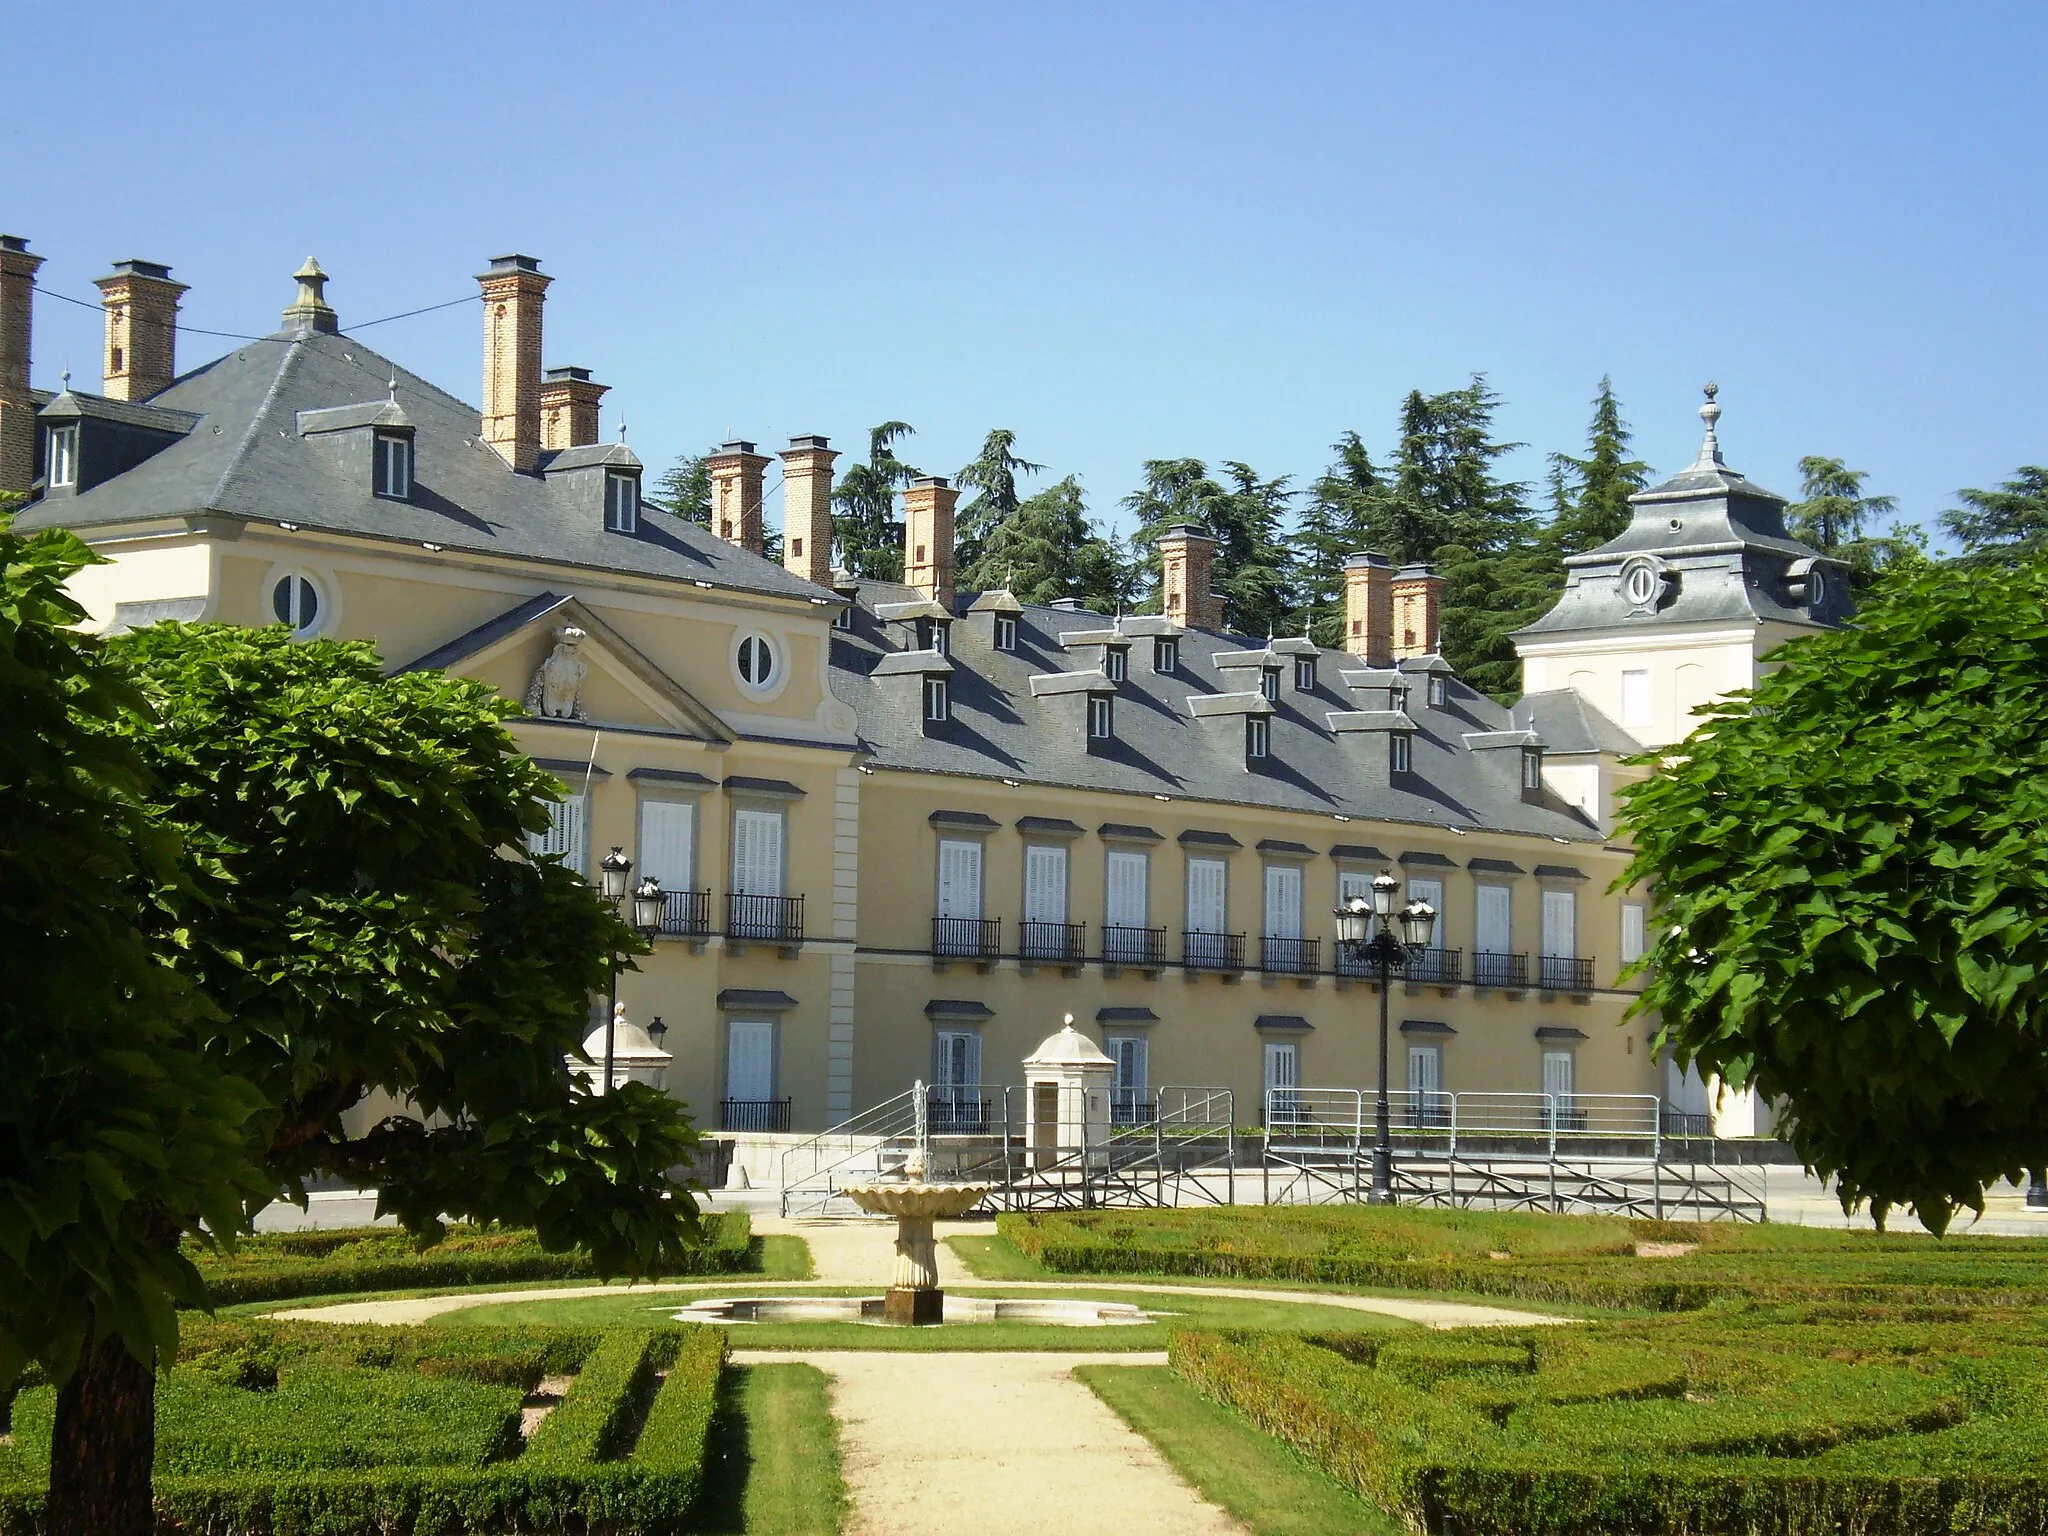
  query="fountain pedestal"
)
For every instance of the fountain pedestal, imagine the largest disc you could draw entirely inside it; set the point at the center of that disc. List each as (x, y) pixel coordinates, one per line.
(914, 1295)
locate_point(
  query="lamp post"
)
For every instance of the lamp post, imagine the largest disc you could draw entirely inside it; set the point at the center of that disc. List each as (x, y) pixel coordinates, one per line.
(1366, 929)
(614, 880)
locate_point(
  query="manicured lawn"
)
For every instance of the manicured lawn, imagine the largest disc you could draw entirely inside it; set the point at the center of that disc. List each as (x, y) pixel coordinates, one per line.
(997, 1258)
(772, 1465)
(1171, 1310)
(1269, 1486)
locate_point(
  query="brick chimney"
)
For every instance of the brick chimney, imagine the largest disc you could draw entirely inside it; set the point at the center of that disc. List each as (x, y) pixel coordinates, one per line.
(568, 408)
(1369, 608)
(1417, 608)
(807, 509)
(736, 494)
(1186, 555)
(141, 304)
(17, 410)
(928, 538)
(514, 291)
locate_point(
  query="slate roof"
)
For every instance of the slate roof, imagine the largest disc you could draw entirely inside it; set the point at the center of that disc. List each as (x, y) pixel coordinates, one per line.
(1568, 722)
(1002, 729)
(245, 456)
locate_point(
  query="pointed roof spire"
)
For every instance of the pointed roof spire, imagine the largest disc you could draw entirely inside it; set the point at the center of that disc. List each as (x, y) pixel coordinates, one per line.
(1710, 445)
(310, 311)
(392, 396)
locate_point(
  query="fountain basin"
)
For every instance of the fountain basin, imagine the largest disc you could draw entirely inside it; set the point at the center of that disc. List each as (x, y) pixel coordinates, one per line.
(915, 1296)
(873, 1309)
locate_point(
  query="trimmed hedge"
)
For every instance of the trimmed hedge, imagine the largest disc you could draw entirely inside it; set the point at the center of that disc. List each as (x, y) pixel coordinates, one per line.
(1586, 1260)
(483, 1485)
(282, 1266)
(1767, 1421)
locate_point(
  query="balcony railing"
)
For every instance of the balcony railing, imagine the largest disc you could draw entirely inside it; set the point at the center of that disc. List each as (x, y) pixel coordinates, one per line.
(1436, 967)
(1061, 943)
(773, 919)
(686, 912)
(973, 938)
(1294, 957)
(1131, 1106)
(1565, 973)
(1491, 969)
(953, 1111)
(1685, 1122)
(1144, 947)
(753, 1114)
(1212, 951)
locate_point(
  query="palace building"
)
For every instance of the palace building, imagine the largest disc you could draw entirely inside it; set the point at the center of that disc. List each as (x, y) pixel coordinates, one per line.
(901, 829)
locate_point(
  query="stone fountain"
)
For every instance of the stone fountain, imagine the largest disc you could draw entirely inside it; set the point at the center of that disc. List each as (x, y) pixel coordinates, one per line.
(914, 1295)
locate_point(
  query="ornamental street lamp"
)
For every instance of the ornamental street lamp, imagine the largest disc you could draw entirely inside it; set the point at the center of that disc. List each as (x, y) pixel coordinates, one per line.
(614, 880)
(1357, 921)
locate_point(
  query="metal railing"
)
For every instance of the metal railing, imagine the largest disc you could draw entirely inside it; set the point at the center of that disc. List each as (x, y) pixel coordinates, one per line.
(1212, 951)
(1436, 967)
(1063, 943)
(753, 1114)
(1131, 1106)
(778, 919)
(1564, 973)
(954, 1110)
(1683, 1123)
(686, 912)
(1499, 1124)
(1491, 969)
(1294, 957)
(1133, 946)
(975, 938)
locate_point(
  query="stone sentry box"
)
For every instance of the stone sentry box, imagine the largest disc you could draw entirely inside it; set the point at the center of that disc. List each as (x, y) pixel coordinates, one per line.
(1066, 1095)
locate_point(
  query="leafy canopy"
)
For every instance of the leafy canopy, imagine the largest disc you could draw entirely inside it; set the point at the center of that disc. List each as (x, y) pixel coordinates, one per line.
(867, 529)
(1048, 548)
(1853, 889)
(2010, 523)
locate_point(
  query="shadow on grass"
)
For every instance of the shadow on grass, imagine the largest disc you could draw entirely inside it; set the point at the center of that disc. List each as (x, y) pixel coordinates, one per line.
(728, 1460)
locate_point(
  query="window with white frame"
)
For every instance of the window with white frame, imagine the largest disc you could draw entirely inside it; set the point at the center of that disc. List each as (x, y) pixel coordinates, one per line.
(749, 1064)
(1116, 662)
(1283, 1081)
(938, 704)
(1427, 1102)
(1492, 934)
(1006, 632)
(1560, 1080)
(1560, 924)
(1045, 900)
(941, 637)
(1129, 1104)
(1432, 892)
(1635, 928)
(1165, 656)
(1283, 902)
(1439, 691)
(1208, 905)
(756, 661)
(1532, 770)
(955, 1099)
(757, 840)
(63, 455)
(1269, 683)
(960, 878)
(564, 837)
(621, 501)
(1400, 752)
(1100, 719)
(1127, 875)
(1635, 698)
(1397, 698)
(668, 850)
(1258, 738)
(843, 619)
(391, 465)
(1304, 674)
(295, 599)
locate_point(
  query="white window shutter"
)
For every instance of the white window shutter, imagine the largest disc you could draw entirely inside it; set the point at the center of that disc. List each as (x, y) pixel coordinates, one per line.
(959, 878)
(1283, 901)
(757, 853)
(1634, 935)
(1127, 881)
(1353, 883)
(1206, 900)
(973, 1058)
(1560, 922)
(1494, 930)
(668, 842)
(1045, 884)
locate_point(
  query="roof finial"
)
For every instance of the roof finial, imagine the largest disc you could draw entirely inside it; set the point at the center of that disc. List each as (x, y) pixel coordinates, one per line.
(394, 386)
(622, 428)
(64, 379)
(310, 311)
(1710, 445)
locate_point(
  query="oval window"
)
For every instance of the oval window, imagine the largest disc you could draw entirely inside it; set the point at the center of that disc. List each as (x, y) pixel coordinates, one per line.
(757, 661)
(1639, 584)
(296, 602)
(1816, 591)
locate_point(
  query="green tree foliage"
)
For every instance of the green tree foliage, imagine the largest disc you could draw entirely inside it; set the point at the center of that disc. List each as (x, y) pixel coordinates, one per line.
(868, 531)
(1589, 496)
(1246, 517)
(1854, 890)
(2008, 524)
(993, 477)
(1832, 515)
(1175, 491)
(1047, 548)
(1349, 509)
(685, 488)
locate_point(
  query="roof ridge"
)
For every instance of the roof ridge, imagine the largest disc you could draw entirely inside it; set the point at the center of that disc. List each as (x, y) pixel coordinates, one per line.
(258, 419)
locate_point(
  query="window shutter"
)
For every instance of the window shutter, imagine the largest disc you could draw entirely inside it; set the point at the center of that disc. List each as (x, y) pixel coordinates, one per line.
(667, 842)
(1353, 883)
(1560, 919)
(1126, 881)
(757, 853)
(959, 878)
(1045, 884)
(749, 1060)
(971, 1058)
(1205, 895)
(1634, 938)
(1432, 891)
(1557, 1074)
(1283, 901)
(1494, 931)
(1283, 1064)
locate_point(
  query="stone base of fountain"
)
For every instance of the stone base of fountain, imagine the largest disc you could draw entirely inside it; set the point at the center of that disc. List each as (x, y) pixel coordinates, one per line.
(917, 1305)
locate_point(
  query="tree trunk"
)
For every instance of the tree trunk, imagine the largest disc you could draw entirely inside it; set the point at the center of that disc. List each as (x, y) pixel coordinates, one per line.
(102, 1446)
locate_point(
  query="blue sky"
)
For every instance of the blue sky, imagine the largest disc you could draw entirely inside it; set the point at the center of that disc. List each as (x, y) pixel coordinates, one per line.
(1125, 231)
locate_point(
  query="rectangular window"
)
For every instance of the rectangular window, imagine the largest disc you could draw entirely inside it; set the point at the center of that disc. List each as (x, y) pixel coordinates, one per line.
(1493, 920)
(1269, 683)
(1397, 699)
(942, 638)
(564, 836)
(1634, 931)
(1128, 1102)
(1439, 691)
(1283, 1079)
(1635, 698)
(757, 852)
(1283, 901)
(956, 1060)
(1099, 718)
(1400, 752)
(63, 456)
(959, 877)
(1431, 891)
(843, 619)
(1258, 737)
(1304, 674)
(392, 466)
(749, 1061)
(1165, 657)
(1353, 883)
(1428, 1104)
(938, 704)
(1115, 663)
(1559, 1084)
(1207, 886)
(1532, 770)
(621, 502)
(1045, 883)
(668, 843)
(1560, 924)
(1006, 632)
(1126, 878)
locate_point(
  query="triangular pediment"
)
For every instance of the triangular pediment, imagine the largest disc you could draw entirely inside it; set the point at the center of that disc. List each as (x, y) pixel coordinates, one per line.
(602, 677)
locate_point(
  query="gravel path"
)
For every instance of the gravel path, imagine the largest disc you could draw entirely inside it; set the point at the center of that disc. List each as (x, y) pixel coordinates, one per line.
(997, 1445)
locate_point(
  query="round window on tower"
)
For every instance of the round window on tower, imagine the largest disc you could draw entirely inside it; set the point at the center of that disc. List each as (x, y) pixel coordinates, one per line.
(1816, 590)
(295, 600)
(1642, 582)
(756, 661)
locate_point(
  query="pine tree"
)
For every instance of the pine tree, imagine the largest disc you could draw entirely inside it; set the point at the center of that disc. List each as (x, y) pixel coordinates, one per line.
(1348, 509)
(1831, 515)
(994, 475)
(1601, 483)
(2005, 525)
(867, 532)
(1251, 558)
(1047, 548)
(685, 488)
(1175, 491)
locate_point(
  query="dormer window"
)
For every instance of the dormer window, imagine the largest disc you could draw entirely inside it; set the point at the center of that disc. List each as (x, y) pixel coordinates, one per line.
(391, 467)
(1532, 770)
(940, 641)
(1258, 738)
(1101, 720)
(1269, 683)
(1006, 632)
(621, 502)
(64, 455)
(1439, 691)
(1304, 674)
(1165, 657)
(843, 619)
(1116, 663)
(931, 635)
(1400, 753)
(938, 702)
